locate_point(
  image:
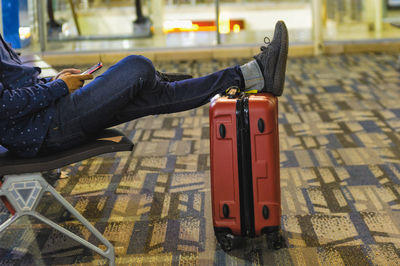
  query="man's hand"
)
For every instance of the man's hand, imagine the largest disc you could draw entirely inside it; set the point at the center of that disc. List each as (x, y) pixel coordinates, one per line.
(74, 81)
(67, 71)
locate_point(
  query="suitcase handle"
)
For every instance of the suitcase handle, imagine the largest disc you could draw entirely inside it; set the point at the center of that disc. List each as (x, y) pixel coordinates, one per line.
(232, 92)
(222, 131)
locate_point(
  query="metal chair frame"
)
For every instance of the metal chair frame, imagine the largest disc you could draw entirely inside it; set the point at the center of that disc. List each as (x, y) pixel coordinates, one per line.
(23, 191)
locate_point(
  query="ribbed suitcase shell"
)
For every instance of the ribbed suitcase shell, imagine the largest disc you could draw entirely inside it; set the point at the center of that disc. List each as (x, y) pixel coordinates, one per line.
(231, 183)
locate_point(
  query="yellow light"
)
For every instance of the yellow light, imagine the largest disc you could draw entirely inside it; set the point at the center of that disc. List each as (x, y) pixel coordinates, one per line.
(171, 25)
(236, 28)
(224, 25)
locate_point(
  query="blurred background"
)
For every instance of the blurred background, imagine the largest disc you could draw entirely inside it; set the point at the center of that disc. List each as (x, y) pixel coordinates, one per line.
(115, 25)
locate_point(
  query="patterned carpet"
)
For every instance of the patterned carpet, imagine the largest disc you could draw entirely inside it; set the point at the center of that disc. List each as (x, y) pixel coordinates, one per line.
(340, 179)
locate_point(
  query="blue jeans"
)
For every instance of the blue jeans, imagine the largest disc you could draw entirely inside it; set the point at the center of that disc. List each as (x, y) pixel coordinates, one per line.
(128, 90)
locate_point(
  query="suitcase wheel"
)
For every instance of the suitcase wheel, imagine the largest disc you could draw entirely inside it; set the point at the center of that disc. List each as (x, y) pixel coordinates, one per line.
(275, 240)
(226, 241)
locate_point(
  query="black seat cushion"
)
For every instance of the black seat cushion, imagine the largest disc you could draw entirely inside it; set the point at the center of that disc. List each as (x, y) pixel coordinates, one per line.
(110, 140)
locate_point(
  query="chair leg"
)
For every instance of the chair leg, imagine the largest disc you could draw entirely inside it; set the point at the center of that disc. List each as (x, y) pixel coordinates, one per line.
(8, 222)
(109, 253)
(24, 193)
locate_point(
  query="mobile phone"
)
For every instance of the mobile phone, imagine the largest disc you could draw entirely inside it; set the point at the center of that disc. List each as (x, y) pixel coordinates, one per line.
(93, 69)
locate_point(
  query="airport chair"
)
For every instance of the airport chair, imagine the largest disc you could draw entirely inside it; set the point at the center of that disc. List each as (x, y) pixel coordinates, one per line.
(22, 185)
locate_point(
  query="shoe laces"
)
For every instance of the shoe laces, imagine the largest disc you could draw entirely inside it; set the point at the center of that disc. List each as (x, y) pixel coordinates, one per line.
(267, 41)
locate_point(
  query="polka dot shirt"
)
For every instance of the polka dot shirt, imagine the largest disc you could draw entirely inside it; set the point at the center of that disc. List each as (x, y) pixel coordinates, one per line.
(26, 103)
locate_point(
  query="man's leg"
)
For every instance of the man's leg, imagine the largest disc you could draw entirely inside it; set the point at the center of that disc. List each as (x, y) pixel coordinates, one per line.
(171, 97)
(131, 89)
(128, 90)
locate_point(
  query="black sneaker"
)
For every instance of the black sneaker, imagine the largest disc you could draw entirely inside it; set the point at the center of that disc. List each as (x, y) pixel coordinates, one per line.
(272, 60)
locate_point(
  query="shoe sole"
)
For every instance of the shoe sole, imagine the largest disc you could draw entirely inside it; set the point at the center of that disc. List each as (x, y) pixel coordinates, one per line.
(279, 81)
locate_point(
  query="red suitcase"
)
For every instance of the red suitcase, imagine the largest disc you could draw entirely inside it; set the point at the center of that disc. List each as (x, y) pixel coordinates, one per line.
(244, 156)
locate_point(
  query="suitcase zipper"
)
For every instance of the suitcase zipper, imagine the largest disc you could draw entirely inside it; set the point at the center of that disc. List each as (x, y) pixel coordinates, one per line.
(244, 167)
